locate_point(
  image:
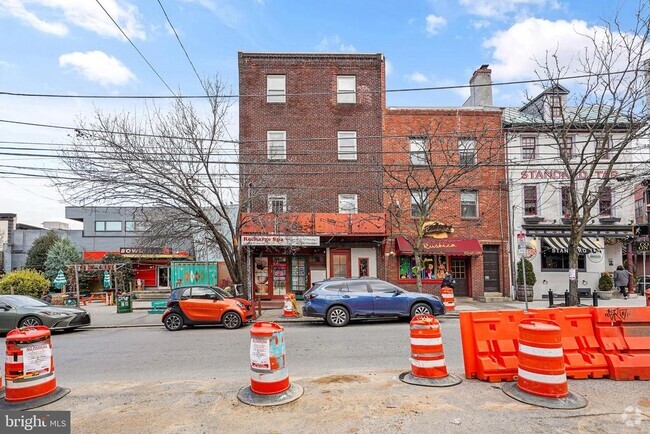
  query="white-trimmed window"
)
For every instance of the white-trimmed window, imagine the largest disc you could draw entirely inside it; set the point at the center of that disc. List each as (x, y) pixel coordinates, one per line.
(276, 145)
(530, 200)
(556, 106)
(346, 89)
(418, 150)
(129, 226)
(603, 147)
(348, 204)
(469, 204)
(347, 142)
(276, 88)
(528, 148)
(605, 202)
(277, 203)
(419, 203)
(568, 147)
(467, 152)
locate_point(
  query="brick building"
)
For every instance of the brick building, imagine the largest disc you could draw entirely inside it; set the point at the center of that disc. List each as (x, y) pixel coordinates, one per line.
(310, 167)
(459, 153)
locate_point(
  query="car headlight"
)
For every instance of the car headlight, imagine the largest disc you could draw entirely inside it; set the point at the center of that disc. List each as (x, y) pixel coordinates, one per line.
(241, 305)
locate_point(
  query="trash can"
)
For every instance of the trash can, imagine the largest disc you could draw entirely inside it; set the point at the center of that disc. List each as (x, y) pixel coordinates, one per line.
(71, 301)
(639, 287)
(124, 304)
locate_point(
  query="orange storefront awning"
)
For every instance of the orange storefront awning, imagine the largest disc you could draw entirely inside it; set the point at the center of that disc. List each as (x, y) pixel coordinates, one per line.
(449, 246)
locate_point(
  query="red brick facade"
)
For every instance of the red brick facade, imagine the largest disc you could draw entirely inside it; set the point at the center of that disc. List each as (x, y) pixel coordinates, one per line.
(311, 117)
(447, 126)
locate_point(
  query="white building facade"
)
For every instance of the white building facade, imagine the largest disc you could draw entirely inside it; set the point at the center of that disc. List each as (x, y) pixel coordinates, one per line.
(539, 193)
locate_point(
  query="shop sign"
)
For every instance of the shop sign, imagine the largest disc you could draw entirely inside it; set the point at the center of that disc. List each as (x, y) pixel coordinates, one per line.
(595, 257)
(280, 240)
(563, 174)
(642, 246)
(437, 229)
(144, 250)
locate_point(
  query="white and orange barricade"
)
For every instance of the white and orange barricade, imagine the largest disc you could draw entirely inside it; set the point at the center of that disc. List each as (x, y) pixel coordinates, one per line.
(30, 380)
(428, 366)
(541, 374)
(447, 295)
(269, 382)
(290, 308)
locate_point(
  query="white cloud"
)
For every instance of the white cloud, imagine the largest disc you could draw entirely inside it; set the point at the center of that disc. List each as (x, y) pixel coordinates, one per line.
(435, 23)
(417, 77)
(334, 43)
(480, 24)
(98, 66)
(388, 67)
(514, 49)
(499, 8)
(5, 65)
(51, 16)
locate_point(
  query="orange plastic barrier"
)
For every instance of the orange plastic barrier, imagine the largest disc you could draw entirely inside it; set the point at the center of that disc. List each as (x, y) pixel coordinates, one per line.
(489, 341)
(624, 337)
(447, 295)
(583, 356)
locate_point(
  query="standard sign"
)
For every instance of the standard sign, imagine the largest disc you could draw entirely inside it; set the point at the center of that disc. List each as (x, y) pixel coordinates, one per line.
(279, 240)
(521, 243)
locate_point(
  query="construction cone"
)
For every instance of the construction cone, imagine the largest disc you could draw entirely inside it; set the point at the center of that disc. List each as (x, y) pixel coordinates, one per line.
(29, 370)
(541, 377)
(428, 366)
(287, 310)
(270, 383)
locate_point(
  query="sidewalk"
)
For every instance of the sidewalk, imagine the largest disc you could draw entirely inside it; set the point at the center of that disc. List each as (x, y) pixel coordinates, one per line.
(103, 316)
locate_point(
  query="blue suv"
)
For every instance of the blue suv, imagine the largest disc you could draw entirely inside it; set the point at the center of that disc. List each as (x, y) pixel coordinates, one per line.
(338, 300)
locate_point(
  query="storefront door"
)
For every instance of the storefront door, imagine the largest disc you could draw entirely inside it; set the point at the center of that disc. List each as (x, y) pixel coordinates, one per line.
(163, 277)
(460, 273)
(491, 268)
(299, 277)
(279, 273)
(340, 265)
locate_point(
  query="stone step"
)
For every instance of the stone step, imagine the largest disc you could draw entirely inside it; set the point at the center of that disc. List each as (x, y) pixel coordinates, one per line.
(494, 299)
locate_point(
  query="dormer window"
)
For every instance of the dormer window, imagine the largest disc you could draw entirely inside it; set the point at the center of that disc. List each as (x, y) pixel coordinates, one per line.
(556, 106)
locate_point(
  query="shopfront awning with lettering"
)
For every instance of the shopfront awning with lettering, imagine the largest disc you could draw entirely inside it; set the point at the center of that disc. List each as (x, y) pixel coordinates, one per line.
(561, 245)
(448, 246)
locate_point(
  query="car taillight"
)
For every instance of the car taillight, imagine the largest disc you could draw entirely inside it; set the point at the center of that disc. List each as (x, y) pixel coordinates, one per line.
(311, 296)
(169, 303)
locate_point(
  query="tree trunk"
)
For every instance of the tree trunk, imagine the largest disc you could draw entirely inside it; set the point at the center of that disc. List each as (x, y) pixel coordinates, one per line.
(574, 300)
(418, 275)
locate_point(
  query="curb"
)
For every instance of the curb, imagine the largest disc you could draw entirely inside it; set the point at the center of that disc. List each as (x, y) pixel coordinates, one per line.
(121, 326)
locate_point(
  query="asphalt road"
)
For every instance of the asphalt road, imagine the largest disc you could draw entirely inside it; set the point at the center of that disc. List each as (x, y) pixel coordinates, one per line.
(155, 354)
(149, 380)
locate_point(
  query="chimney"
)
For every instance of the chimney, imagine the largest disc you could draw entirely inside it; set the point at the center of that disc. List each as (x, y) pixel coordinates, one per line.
(480, 87)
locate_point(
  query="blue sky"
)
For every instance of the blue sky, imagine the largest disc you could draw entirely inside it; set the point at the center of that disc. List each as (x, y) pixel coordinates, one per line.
(72, 47)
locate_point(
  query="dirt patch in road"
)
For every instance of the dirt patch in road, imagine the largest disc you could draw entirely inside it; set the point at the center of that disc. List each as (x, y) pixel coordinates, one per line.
(334, 379)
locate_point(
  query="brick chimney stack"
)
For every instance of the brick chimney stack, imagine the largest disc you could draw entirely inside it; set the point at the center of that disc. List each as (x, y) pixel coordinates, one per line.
(481, 88)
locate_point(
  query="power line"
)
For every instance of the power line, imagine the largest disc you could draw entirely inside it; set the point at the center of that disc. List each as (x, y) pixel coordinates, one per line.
(136, 48)
(397, 90)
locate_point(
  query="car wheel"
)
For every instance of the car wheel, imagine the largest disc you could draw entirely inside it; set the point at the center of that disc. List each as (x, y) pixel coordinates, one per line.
(30, 321)
(338, 316)
(420, 309)
(173, 322)
(231, 320)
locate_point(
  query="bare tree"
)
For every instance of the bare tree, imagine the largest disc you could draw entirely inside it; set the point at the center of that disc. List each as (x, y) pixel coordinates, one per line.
(594, 128)
(177, 160)
(428, 173)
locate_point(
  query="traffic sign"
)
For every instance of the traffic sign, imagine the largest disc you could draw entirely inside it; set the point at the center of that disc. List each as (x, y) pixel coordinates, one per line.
(521, 243)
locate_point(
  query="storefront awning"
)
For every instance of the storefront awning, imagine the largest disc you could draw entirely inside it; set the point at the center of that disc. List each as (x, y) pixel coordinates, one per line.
(561, 245)
(449, 246)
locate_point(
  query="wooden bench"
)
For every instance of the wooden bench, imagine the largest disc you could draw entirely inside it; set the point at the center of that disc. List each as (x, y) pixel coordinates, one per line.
(158, 306)
(97, 296)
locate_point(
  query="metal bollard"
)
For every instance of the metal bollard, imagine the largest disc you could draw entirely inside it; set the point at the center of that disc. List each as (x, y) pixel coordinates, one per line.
(550, 298)
(595, 297)
(566, 297)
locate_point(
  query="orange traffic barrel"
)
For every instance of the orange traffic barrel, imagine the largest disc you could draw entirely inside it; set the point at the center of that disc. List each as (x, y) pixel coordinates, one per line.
(447, 295)
(269, 378)
(288, 310)
(541, 374)
(428, 366)
(30, 380)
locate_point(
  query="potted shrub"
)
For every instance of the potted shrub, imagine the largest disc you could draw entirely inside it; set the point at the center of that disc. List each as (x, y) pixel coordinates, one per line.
(605, 286)
(530, 281)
